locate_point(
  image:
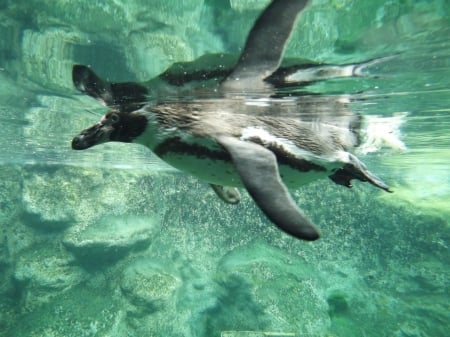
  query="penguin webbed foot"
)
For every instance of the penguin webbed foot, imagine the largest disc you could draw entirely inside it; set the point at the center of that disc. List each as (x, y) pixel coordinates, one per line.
(359, 69)
(228, 194)
(355, 169)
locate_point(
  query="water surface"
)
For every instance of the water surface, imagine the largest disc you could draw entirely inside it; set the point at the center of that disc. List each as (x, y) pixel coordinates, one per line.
(177, 262)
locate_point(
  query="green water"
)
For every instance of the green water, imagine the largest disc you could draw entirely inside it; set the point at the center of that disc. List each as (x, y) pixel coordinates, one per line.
(113, 242)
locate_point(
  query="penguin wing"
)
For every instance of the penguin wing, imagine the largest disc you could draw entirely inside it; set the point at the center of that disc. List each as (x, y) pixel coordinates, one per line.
(265, 45)
(258, 170)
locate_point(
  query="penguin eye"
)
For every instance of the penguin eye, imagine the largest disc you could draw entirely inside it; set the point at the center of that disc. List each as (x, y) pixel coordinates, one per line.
(110, 118)
(114, 118)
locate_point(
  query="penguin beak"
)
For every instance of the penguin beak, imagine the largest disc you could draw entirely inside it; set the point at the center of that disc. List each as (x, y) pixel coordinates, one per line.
(96, 134)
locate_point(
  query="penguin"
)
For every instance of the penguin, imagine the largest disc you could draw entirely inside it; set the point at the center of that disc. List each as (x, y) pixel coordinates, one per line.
(242, 134)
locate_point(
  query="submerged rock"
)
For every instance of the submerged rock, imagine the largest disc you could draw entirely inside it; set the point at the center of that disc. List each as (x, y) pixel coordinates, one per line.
(41, 275)
(147, 56)
(253, 279)
(56, 198)
(149, 287)
(46, 56)
(81, 311)
(110, 238)
(150, 290)
(10, 190)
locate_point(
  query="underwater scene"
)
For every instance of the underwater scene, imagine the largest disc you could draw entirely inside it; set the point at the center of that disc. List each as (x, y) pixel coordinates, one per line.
(127, 238)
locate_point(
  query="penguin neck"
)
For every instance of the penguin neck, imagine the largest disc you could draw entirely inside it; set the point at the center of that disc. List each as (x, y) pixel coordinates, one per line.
(163, 122)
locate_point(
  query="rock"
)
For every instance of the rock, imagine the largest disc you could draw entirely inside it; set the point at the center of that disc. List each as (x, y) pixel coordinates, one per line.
(149, 287)
(47, 56)
(257, 334)
(254, 5)
(42, 274)
(111, 238)
(53, 199)
(81, 311)
(10, 191)
(260, 288)
(147, 55)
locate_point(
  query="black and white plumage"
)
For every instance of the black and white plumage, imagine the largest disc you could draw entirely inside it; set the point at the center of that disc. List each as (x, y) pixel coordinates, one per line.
(245, 135)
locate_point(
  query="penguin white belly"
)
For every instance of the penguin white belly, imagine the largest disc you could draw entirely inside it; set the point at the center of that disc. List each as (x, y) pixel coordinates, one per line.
(205, 159)
(223, 172)
(214, 171)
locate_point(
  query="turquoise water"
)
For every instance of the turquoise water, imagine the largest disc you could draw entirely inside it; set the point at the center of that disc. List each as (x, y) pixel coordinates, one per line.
(112, 242)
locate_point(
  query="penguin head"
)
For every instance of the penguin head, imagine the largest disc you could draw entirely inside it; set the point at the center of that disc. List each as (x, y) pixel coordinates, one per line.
(115, 126)
(123, 122)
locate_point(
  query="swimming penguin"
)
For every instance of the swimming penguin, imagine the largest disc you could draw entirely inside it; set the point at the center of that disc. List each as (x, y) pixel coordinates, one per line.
(243, 134)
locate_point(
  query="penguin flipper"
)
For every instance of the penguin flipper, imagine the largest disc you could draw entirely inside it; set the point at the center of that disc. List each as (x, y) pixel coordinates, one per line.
(126, 97)
(258, 170)
(228, 194)
(265, 44)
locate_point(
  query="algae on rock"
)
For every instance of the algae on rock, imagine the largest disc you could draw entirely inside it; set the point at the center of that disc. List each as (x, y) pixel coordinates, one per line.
(110, 238)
